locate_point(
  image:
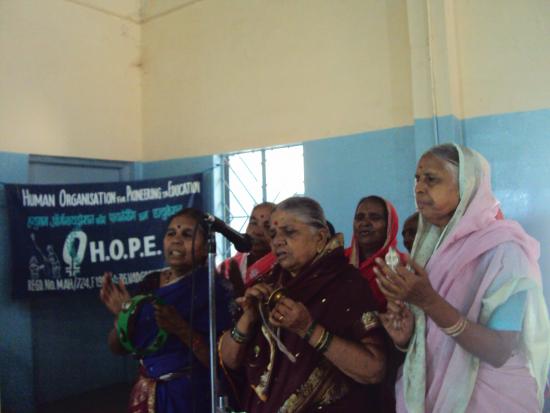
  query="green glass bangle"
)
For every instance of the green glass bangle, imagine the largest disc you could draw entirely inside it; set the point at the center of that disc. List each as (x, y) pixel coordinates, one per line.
(324, 341)
(326, 344)
(126, 318)
(310, 330)
(239, 337)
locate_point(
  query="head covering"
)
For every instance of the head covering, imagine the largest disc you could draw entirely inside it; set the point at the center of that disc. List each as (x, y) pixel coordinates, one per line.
(438, 374)
(367, 266)
(341, 301)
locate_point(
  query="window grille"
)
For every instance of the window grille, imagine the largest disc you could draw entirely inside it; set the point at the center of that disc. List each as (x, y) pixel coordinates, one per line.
(252, 177)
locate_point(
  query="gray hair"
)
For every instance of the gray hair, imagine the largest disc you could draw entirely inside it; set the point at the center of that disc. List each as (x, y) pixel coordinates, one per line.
(448, 153)
(307, 210)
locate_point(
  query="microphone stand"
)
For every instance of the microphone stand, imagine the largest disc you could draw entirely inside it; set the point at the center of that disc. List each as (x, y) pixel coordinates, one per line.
(221, 407)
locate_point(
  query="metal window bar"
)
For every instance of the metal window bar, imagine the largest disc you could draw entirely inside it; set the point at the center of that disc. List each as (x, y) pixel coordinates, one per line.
(229, 194)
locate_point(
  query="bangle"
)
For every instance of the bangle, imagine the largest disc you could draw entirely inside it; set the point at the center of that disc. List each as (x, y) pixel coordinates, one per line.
(239, 337)
(321, 338)
(310, 330)
(324, 342)
(401, 349)
(457, 328)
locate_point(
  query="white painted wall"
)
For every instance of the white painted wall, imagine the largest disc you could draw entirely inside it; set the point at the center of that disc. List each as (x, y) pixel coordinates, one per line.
(504, 55)
(70, 81)
(136, 80)
(226, 75)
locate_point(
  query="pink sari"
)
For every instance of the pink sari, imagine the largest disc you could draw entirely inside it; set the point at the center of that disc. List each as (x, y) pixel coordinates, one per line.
(476, 263)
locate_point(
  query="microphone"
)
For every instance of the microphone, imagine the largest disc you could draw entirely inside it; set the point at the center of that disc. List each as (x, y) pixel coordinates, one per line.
(242, 242)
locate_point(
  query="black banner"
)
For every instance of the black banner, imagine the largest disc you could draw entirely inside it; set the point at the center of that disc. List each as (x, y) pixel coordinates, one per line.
(64, 237)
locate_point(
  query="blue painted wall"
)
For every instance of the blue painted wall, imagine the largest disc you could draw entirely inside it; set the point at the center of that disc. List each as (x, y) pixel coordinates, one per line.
(16, 355)
(437, 130)
(340, 171)
(69, 330)
(517, 146)
(185, 166)
(40, 336)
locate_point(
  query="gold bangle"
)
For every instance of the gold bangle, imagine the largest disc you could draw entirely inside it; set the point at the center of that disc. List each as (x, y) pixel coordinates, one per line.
(452, 329)
(457, 328)
(326, 343)
(323, 341)
(321, 338)
(461, 329)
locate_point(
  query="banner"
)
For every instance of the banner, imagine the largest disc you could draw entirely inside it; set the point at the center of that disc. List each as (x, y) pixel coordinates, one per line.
(64, 237)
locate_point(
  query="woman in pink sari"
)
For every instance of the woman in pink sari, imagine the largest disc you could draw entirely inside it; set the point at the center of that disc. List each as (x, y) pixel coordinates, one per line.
(474, 325)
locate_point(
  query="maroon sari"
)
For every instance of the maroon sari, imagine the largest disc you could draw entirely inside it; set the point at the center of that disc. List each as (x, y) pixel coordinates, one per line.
(340, 300)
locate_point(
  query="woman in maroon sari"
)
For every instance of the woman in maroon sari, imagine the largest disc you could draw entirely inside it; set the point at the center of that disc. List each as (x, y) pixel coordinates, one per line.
(308, 337)
(375, 227)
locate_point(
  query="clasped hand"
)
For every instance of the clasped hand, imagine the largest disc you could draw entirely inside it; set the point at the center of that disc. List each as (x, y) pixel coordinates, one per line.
(398, 321)
(403, 284)
(287, 313)
(400, 286)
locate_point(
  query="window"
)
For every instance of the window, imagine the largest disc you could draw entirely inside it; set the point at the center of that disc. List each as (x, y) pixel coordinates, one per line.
(257, 176)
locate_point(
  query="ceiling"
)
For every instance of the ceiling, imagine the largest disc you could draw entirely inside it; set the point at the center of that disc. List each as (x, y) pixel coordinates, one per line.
(138, 11)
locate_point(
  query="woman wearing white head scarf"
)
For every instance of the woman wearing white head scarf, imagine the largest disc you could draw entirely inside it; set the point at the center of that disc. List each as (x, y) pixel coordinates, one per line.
(477, 334)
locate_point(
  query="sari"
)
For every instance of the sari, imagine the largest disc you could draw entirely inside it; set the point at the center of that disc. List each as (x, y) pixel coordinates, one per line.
(367, 266)
(249, 273)
(340, 300)
(476, 263)
(172, 380)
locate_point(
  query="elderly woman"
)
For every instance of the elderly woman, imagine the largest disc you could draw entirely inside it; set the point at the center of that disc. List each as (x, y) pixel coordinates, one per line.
(244, 267)
(375, 227)
(308, 337)
(175, 377)
(477, 332)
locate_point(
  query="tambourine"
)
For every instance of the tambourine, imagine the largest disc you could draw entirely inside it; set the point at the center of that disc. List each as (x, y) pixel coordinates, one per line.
(267, 306)
(125, 322)
(275, 297)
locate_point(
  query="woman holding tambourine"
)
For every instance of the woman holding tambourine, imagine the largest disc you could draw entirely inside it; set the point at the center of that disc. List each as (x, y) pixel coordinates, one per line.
(165, 324)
